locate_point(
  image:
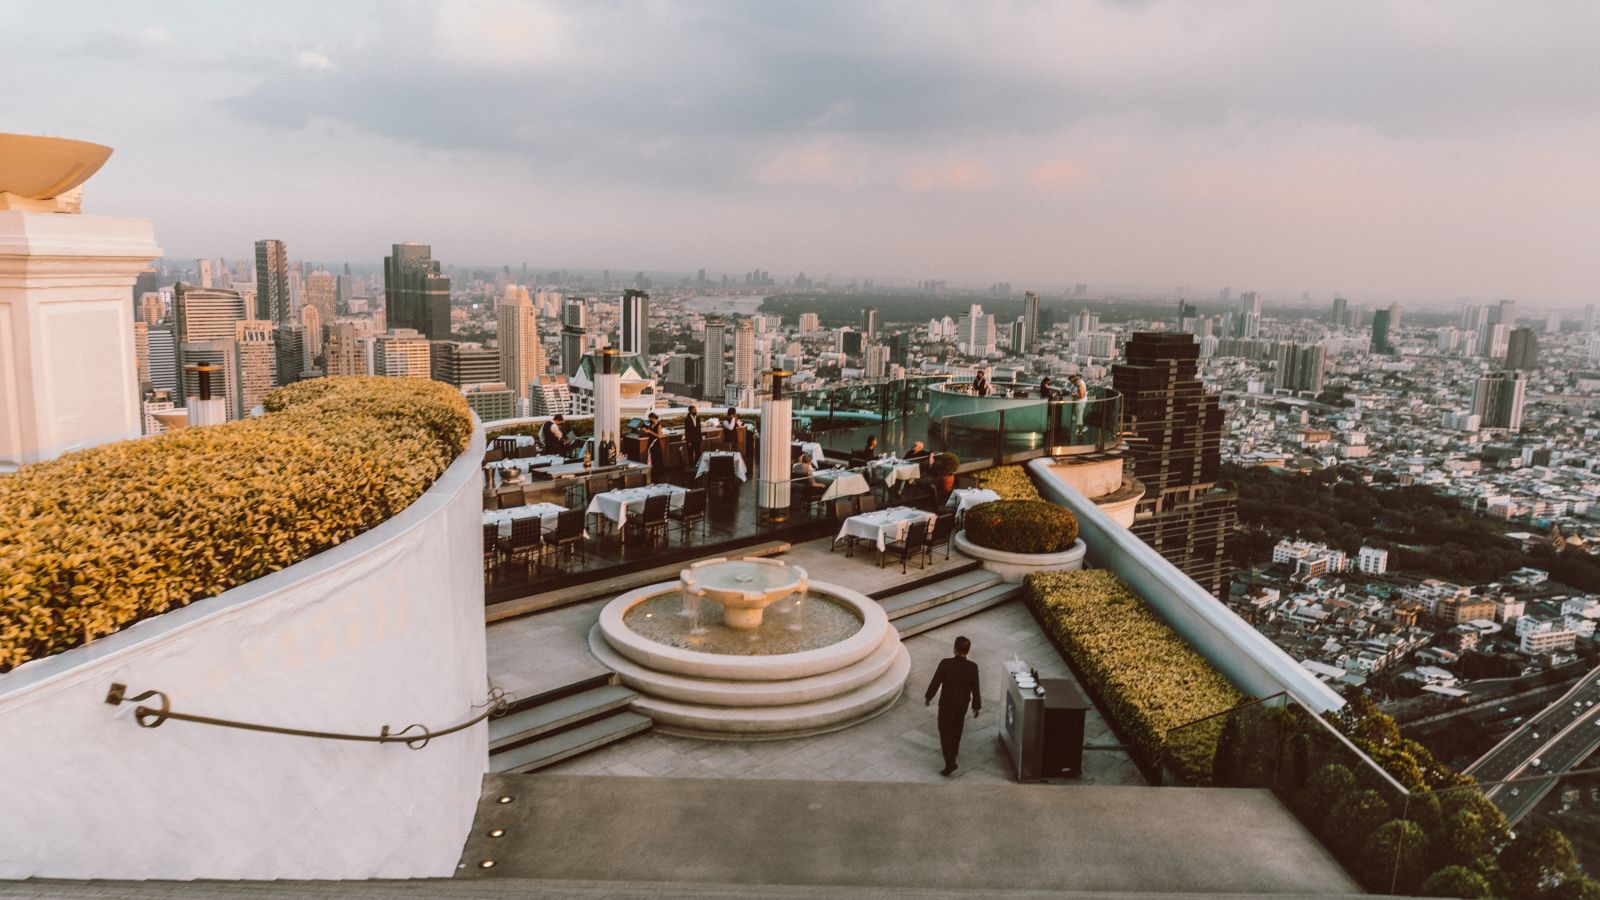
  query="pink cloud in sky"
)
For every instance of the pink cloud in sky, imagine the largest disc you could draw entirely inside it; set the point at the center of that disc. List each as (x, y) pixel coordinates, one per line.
(955, 175)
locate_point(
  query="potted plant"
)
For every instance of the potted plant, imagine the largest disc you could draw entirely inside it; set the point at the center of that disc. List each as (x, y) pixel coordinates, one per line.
(1013, 538)
(943, 467)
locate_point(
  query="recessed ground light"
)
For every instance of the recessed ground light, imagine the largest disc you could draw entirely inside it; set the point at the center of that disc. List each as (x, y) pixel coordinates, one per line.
(486, 864)
(506, 799)
(497, 832)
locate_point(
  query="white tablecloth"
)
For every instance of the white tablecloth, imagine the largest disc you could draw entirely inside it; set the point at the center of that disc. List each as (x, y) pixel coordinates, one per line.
(885, 525)
(841, 483)
(497, 470)
(811, 449)
(739, 468)
(890, 471)
(547, 513)
(617, 505)
(964, 499)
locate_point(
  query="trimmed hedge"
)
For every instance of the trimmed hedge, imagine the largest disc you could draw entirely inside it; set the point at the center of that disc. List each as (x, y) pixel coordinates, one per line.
(99, 539)
(1021, 526)
(1148, 679)
(1010, 482)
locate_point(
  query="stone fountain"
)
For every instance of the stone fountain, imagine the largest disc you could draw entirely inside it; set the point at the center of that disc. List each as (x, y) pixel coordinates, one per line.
(751, 649)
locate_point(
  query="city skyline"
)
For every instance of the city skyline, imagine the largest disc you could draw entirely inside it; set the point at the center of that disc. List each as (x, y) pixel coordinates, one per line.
(1416, 153)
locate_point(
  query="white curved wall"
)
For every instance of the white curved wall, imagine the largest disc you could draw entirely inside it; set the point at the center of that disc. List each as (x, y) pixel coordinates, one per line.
(386, 629)
(1252, 662)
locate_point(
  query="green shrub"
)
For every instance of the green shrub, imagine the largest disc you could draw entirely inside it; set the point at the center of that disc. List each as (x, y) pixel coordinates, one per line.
(1022, 526)
(1456, 881)
(1148, 679)
(944, 464)
(1395, 859)
(1010, 482)
(99, 539)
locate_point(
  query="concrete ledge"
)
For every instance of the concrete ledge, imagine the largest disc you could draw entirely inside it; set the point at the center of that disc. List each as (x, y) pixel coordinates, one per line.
(1013, 567)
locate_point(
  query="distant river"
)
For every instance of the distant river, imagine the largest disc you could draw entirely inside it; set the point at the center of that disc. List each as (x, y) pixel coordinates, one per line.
(744, 304)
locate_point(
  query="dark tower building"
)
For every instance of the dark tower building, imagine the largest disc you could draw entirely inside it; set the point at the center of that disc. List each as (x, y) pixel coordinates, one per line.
(416, 294)
(1380, 331)
(1030, 322)
(1522, 349)
(272, 282)
(1175, 443)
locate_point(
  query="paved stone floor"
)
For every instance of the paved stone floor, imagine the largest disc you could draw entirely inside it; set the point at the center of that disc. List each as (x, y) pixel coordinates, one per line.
(902, 744)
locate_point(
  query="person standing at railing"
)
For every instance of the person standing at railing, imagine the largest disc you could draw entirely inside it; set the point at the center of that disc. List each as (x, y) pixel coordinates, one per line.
(980, 384)
(1077, 396)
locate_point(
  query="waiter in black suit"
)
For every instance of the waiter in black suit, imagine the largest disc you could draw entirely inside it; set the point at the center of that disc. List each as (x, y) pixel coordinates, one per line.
(956, 683)
(691, 433)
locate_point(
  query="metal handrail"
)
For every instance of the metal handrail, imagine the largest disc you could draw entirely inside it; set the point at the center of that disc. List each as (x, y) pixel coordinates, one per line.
(498, 701)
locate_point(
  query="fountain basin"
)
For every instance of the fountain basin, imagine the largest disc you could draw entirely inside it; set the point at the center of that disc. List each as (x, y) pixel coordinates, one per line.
(744, 588)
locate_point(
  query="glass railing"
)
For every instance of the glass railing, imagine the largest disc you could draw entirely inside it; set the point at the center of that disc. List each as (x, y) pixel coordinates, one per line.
(1490, 839)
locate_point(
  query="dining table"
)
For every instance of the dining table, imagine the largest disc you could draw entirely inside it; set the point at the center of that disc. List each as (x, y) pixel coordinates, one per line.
(841, 483)
(963, 499)
(617, 505)
(884, 525)
(545, 512)
(739, 467)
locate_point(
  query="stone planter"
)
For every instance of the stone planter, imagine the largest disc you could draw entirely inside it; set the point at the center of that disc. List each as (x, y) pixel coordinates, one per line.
(1013, 567)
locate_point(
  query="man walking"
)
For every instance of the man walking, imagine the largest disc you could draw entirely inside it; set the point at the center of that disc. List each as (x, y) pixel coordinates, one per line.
(956, 683)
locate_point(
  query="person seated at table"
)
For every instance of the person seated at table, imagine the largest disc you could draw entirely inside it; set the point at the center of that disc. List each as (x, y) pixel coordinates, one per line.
(554, 435)
(916, 451)
(870, 451)
(804, 473)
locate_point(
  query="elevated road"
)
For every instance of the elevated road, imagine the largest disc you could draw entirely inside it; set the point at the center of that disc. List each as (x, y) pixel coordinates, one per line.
(1559, 737)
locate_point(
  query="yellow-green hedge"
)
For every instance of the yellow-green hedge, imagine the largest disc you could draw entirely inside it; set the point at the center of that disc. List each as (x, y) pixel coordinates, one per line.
(1022, 526)
(1147, 677)
(1010, 482)
(99, 539)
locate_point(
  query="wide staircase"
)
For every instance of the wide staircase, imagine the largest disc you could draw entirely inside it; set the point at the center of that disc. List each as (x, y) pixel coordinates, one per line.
(938, 599)
(558, 724)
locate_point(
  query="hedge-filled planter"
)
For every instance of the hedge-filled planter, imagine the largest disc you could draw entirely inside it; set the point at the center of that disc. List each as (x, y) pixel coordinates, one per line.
(1010, 482)
(99, 539)
(1022, 526)
(1014, 567)
(1148, 679)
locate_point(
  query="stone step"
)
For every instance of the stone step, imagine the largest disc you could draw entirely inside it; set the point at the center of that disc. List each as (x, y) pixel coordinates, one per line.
(520, 888)
(937, 593)
(600, 678)
(547, 751)
(955, 566)
(525, 724)
(944, 614)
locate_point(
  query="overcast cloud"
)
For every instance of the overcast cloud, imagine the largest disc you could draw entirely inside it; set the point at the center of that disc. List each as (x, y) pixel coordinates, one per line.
(1405, 150)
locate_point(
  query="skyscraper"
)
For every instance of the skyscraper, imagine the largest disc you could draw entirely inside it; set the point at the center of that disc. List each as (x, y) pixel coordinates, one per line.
(460, 364)
(202, 272)
(635, 336)
(1380, 331)
(253, 344)
(1176, 446)
(1301, 366)
(322, 292)
(1522, 349)
(312, 320)
(206, 314)
(713, 374)
(416, 293)
(1505, 314)
(344, 355)
(1030, 322)
(744, 354)
(1249, 324)
(1498, 399)
(574, 326)
(162, 352)
(402, 353)
(272, 281)
(292, 349)
(869, 323)
(1340, 315)
(517, 333)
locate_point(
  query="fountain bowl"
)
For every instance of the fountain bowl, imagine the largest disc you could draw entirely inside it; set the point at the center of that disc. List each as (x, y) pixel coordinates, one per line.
(744, 588)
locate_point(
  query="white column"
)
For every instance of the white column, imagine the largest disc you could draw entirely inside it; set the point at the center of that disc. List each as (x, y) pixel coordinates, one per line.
(773, 471)
(607, 401)
(68, 371)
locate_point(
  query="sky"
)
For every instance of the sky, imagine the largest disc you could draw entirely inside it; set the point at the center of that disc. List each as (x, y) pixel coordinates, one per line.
(1421, 151)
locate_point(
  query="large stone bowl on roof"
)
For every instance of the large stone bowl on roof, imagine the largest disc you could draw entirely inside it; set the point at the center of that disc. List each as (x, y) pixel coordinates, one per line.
(39, 168)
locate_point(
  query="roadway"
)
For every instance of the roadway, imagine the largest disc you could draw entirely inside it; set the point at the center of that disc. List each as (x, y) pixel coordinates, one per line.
(1559, 737)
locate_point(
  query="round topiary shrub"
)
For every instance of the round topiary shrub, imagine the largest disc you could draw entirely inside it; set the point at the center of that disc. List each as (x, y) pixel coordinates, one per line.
(1022, 526)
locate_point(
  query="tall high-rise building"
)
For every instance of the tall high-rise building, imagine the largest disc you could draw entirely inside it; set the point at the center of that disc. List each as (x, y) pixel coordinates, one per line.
(461, 364)
(1588, 317)
(810, 322)
(1175, 443)
(162, 352)
(1394, 318)
(976, 332)
(869, 323)
(1301, 366)
(574, 328)
(151, 308)
(402, 353)
(877, 362)
(292, 350)
(206, 314)
(517, 333)
(1504, 314)
(253, 344)
(322, 292)
(416, 293)
(1380, 331)
(1522, 349)
(1339, 317)
(744, 354)
(1494, 340)
(141, 354)
(683, 374)
(1249, 322)
(344, 356)
(635, 336)
(312, 319)
(1498, 399)
(272, 281)
(1030, 322)
(202, 272)
(714, 376)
